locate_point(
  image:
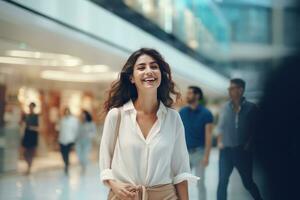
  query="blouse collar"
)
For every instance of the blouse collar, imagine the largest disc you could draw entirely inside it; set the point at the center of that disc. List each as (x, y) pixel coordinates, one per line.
(129, 106)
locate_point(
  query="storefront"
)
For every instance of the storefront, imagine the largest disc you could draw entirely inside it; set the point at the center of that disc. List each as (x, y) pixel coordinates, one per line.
(18, 89)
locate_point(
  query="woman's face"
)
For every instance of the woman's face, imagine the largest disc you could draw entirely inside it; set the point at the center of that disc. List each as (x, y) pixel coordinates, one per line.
(31, 108)
(146, 73)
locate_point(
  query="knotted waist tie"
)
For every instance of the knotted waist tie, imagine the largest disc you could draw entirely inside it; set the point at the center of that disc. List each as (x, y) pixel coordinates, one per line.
(144, 191)
(166, 191)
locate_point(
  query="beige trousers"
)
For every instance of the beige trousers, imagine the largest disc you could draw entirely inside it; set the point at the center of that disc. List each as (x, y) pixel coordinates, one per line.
(160, 192)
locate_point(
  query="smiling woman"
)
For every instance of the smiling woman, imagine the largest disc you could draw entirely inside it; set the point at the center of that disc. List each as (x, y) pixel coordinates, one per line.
(143, 154)
(123, 90)
(146, 74)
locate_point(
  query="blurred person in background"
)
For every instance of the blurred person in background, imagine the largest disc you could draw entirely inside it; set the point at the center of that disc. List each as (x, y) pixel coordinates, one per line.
(68, 132)
(235, 132)
(197, 121)
(147, 157)
(87, 131)
(30, 139)
(277, 142)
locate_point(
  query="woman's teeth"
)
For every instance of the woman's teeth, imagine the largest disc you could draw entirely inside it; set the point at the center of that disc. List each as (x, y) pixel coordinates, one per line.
(149, 79)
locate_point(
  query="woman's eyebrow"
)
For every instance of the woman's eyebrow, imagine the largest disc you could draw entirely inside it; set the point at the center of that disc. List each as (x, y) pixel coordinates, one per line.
(153, 62)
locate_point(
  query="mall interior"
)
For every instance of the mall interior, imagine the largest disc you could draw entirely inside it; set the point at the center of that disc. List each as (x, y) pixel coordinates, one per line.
(66, 53)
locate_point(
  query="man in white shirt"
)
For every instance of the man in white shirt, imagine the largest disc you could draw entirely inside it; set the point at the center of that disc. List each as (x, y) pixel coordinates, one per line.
(68, 131)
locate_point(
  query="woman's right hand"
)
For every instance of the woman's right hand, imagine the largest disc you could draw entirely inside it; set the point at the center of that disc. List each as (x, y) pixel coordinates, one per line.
(123, 191)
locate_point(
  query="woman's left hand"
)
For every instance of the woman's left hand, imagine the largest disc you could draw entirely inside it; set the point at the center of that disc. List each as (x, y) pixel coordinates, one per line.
(33, 128)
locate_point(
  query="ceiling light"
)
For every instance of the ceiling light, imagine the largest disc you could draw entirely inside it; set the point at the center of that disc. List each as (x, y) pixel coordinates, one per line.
(55, 59)
(39, 62)
(37, 54)
(11, 60)
(94, 68)
(77, 77)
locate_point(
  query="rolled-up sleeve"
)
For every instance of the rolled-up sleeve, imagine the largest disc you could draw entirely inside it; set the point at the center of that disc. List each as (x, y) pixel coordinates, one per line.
(180, 157)
(106, 145)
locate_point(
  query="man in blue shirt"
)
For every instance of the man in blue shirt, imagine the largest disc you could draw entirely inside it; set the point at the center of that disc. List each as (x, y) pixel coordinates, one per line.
(234, 137)
(197, 121)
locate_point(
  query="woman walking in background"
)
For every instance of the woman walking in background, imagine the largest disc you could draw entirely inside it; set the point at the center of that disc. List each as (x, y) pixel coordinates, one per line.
(68, 132)
(87, 131)
(143, 154)
(30, 138)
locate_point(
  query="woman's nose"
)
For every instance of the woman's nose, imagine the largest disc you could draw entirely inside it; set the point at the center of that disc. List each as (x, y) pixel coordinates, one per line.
(149, 70)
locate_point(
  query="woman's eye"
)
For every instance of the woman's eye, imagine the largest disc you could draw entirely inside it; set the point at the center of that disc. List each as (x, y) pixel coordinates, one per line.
(141, 68)
(154, 67)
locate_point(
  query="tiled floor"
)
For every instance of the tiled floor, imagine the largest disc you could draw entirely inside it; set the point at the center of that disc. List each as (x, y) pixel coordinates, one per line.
(52, 184)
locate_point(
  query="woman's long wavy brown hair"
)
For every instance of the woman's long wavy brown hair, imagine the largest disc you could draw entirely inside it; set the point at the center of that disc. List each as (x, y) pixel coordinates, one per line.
(122, 90)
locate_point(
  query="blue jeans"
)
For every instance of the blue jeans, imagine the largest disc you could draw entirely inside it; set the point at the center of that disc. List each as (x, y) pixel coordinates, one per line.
(65, 150)
(196, 155)
(83, 147)
(231, 157)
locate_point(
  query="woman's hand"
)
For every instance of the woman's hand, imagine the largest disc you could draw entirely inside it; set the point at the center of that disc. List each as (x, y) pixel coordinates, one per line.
(123, 190)
(182, 190)
(33, 128)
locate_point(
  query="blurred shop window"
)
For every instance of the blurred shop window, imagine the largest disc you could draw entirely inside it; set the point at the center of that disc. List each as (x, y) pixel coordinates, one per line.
(71, 99)
(249, 24)
(12, 115)
(87, 102)
(53, 115)
(199, 24)
(77, 100)
(28, 95)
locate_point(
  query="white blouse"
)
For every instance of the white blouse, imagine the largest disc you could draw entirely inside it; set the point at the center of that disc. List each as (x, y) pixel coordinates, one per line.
(68, 129)
(161, 158)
